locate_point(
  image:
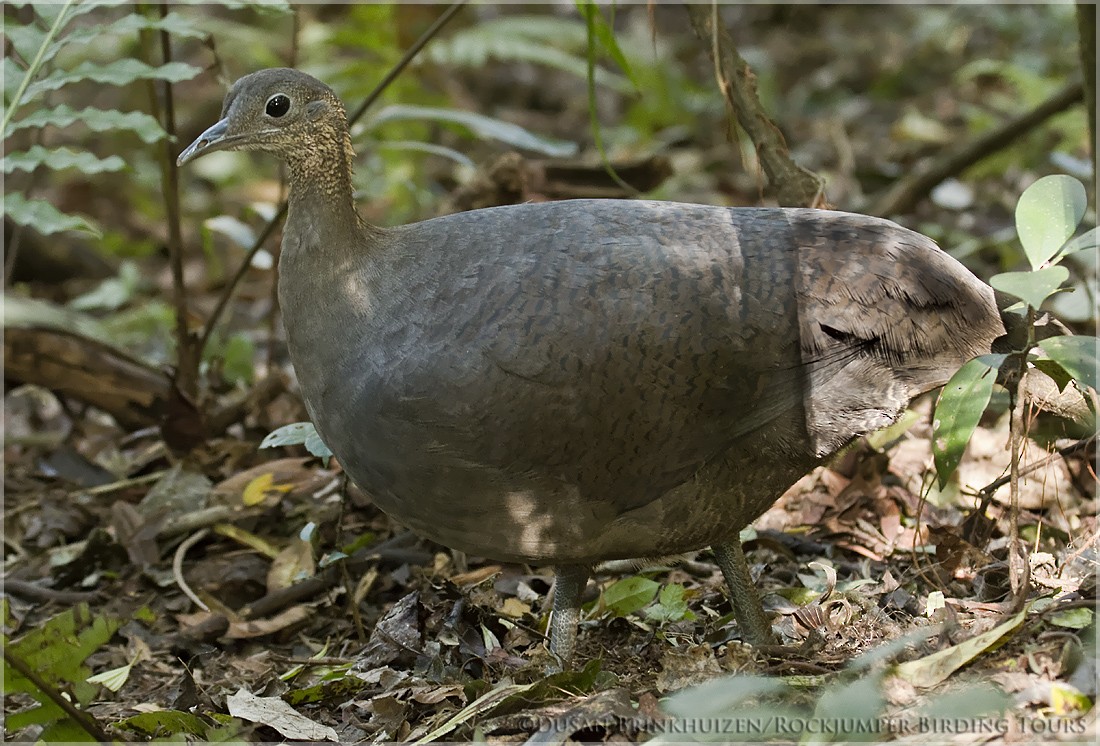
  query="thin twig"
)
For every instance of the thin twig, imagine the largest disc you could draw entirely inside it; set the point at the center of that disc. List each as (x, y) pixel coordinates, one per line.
(268, 229)
(34, 592)
(177, 566)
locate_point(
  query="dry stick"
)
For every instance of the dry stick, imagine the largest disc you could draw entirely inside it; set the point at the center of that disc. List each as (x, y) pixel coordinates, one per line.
(28, 590)
(909, 191)
(794, 185)
(278, 600)
(271, 225)
(81, 718)
(1019, 574)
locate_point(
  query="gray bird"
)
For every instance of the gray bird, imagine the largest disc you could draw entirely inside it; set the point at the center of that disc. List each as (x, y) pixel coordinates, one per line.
(574, 382)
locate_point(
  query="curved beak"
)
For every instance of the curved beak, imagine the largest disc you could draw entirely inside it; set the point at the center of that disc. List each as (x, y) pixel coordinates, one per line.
(212, 139)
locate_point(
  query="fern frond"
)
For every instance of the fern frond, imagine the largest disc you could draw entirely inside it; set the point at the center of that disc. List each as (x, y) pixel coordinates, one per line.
(96, 120)
(119, 72)
(28, 76)
(541, 41)
(59, 159)
(44, 217)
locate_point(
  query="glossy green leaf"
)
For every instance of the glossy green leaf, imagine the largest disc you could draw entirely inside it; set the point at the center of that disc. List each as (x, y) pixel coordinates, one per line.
(1031, 287)
(1076, 355)
(958, 410)
(1047, 216)
(628, 595)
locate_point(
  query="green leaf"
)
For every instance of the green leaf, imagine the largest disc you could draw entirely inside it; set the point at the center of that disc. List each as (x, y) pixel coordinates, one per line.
(56, 651)
(112, 293)
(1031, 287)
(60, 159)
(958, 410)
(598, 25)
(1087, 241)
(238, 359)
(44, 217)
(671, 605)
(173, 23)
(628, 595)
(480, 125)
(534, 39)
(120, 73)
(1073, 618)
(96, 120)
(164, 723)
(1076, 355)
(932, 669)
(1047, 216)
(26, 40)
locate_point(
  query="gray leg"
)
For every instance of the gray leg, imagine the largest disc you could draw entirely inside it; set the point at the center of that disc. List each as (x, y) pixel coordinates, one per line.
(569, 583)
(746, 604)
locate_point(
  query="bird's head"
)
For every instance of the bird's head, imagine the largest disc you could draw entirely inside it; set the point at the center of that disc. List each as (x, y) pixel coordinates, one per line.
(280, 111)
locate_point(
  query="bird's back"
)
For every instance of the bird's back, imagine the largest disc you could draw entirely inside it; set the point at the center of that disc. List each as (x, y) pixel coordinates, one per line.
(583, 380)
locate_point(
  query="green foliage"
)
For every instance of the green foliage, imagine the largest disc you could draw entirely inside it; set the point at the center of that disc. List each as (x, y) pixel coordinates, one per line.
(478, 124)
(958, 410)
(164, 723)
(30, 75)
(630, 595)
(1075, 355)
(626, 596)
(56, 652)
(1047, 215)
(671, 605)
(541, 40)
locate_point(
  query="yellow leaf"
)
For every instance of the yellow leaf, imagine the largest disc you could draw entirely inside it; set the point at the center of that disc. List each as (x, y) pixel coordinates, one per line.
(261, 487)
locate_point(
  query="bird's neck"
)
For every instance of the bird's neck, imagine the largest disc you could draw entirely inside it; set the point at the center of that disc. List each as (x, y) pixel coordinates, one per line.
(321, 192)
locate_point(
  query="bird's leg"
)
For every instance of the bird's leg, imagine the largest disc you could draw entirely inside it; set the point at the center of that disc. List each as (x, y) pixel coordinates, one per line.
(746, 604)
(569, 583)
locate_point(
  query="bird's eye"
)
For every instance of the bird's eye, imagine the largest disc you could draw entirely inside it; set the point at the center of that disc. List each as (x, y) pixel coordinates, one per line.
(277, 105)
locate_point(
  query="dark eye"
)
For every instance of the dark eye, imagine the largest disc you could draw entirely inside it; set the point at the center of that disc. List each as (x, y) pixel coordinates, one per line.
(277, 105)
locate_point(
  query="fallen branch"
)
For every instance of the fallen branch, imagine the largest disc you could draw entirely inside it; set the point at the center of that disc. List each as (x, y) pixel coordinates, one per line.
(905, 194)
(794, 185)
